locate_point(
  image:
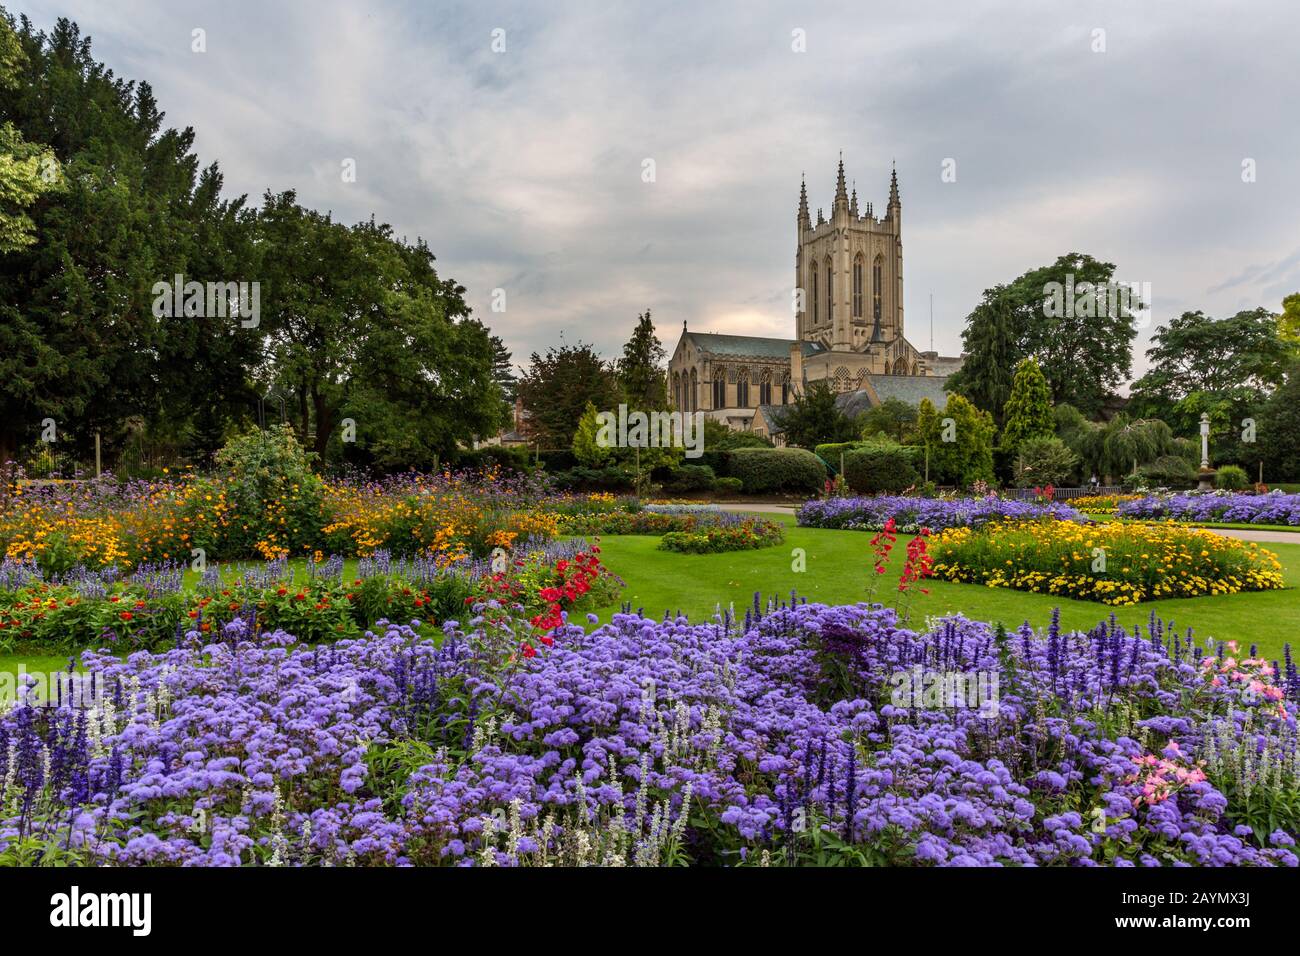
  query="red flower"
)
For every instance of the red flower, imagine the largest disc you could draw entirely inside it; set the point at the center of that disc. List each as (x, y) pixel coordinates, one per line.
(529, 650)
(548, 640)
(125, 615)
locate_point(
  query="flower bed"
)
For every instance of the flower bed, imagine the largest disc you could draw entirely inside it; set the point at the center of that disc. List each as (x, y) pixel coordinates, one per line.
(748, 534)
(912, 514)
(787, 742)
(450, 517)
(1224, 507)
(652, 519)
(1118, 564)
(150, 608)
(1101, 504)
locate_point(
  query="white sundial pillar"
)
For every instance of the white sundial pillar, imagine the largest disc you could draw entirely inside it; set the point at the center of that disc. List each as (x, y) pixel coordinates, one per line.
(1205, 479)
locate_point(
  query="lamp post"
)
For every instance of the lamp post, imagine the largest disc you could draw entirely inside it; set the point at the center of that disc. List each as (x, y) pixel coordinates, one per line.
(1205, 477)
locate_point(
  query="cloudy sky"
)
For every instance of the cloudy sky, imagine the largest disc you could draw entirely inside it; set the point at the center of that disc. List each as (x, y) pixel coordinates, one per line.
(523, 168)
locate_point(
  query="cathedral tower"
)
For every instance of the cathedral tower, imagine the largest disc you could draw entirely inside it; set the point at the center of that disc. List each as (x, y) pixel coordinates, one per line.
(850, 268)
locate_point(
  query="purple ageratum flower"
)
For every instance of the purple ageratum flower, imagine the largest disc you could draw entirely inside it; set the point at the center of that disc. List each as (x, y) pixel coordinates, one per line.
(912, 514)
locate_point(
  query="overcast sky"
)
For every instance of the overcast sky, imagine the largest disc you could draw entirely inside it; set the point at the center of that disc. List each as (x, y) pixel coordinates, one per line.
(523, 168)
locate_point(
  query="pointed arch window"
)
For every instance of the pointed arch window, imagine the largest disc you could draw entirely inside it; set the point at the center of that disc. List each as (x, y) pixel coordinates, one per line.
(765, 388)
(877, 287)
(830, 294)
(742, 389)
(719, 388)
(815, 314)
(857, 287)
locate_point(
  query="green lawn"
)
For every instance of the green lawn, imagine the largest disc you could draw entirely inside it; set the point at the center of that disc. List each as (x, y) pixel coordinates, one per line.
(838, 570)
(838, 565)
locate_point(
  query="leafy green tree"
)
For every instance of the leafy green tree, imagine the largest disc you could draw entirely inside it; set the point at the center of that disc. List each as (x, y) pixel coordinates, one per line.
(1221, 367)
(586, 448)
(991, 344)
(640, 370)
(80, 340)
(1069, 316)
(1278, 428)
(1043, 460)
(813, 419)
(1028, 412)
(958, 441)
(1289, 321)
(27, 170)
(557, 387)
(892, 417)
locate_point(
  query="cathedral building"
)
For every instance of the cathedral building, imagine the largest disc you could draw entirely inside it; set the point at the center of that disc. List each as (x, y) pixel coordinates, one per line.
(848, 325)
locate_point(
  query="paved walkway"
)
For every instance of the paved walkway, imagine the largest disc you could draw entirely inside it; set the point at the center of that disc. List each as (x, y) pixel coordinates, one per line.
(1268, 536)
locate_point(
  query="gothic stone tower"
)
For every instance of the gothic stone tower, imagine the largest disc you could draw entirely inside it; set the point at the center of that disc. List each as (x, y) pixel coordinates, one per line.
(850, 268)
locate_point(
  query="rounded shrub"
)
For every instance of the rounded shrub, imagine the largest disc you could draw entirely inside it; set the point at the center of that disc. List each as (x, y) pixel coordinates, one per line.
(690, 478)
(762, 470)
(1231, 478)
(880, 467)
(728, 486)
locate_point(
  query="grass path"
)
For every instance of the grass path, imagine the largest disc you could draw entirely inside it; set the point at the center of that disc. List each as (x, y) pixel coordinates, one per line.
(838, 565)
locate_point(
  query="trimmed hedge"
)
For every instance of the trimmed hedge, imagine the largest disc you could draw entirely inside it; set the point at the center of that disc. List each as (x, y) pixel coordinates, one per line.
(690, 478)
(880, 468)
(763, 470)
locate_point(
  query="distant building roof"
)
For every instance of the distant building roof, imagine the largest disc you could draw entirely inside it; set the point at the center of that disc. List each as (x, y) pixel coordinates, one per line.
(748, 346)
(771, 415)
(911, 388)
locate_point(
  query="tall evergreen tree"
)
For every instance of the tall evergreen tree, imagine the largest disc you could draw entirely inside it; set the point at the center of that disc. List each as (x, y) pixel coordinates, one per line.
(990, 342)
(640, 370)
(1028, 412)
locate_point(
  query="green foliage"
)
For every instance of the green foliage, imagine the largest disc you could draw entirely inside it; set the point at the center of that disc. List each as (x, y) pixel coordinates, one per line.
(747, 535)
(1220, 366)
(1028, 412)
(880, 467)
(1044, 460)
(516, 458)
(1081, 339)
(728, 486)
(718, 437)
(814, 419)
(1168, 471)
(640, 370)
(353, 322)
(763, 470)
(691, 478)
(1231, 478)
(557, 388)
(959, 441)
(1278, 427)
(266, 473)
(893, 418)
(586, 448)
(991, 342)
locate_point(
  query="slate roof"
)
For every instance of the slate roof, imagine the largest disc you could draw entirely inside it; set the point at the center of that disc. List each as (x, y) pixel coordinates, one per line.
(749, 346)
(771, 415)
(911, 388)
(906, 388)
